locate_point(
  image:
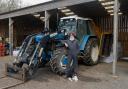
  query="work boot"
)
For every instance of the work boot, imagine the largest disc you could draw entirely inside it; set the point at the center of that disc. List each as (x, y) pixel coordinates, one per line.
(75, 78)
(70, 79)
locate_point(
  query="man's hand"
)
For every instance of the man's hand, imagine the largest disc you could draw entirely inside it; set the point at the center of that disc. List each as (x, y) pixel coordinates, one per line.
(66, 44)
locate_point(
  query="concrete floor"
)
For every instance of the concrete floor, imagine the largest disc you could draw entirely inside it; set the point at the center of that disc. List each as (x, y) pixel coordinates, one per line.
(95, 77)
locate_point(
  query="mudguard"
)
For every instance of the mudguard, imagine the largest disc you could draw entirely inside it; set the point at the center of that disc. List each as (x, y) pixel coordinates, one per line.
(85, 40)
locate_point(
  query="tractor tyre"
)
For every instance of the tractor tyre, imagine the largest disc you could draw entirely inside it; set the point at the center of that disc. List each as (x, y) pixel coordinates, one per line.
(57, 60)
(91, 52)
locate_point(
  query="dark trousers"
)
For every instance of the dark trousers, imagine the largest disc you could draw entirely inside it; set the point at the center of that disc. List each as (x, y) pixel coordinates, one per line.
(72, 67)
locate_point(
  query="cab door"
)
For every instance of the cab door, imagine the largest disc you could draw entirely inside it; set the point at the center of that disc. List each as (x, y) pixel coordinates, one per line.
(82, 29)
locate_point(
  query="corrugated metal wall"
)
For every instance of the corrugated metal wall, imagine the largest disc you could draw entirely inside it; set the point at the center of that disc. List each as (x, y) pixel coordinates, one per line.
(106, 25)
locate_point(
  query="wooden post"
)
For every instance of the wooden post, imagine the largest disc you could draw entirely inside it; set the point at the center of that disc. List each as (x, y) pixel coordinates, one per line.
(47, 16)
(10, 36)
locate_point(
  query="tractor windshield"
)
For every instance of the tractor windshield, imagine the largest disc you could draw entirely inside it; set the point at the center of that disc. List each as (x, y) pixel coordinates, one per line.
(68, 24)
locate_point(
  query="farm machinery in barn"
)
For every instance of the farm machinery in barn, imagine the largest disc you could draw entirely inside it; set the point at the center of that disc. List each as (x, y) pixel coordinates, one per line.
(45, 47)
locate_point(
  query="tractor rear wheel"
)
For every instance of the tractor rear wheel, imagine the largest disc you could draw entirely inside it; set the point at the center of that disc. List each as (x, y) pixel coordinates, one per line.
(91, 52)
(59, 61)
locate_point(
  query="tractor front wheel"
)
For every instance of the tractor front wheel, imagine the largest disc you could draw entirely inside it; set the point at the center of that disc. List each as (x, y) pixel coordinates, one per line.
(60, 62)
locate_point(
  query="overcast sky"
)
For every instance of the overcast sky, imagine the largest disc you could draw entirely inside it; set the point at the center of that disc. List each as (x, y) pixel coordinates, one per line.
(33, 2)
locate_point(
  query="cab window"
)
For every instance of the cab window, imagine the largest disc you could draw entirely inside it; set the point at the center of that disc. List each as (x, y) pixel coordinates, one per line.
(81, 29)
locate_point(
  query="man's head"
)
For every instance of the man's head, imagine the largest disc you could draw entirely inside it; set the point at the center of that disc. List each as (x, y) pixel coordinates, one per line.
(72, 36)
(72, 33)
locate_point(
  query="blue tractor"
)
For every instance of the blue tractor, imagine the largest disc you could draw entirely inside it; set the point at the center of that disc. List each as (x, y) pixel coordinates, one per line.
(88, 42)
(45, 47)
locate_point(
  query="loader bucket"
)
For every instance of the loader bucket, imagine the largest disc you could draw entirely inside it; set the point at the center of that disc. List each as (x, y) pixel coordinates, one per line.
(12, 71)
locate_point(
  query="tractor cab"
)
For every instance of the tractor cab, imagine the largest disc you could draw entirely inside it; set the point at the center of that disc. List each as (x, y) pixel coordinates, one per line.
(82, 26)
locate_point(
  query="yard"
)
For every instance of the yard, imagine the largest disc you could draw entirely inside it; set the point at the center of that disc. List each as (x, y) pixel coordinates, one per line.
(95, 77)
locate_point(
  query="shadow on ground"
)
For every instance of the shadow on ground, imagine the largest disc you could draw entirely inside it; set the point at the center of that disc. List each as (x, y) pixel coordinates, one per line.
(45, 74)
(89, 79)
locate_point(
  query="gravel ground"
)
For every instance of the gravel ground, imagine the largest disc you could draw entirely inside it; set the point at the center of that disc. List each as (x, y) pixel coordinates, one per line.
(95, 77)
